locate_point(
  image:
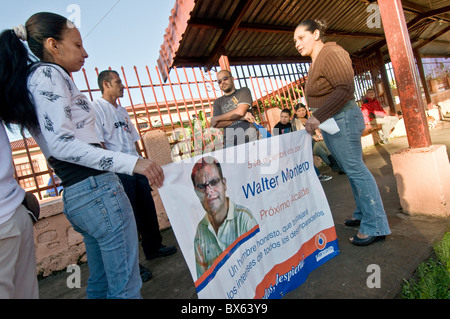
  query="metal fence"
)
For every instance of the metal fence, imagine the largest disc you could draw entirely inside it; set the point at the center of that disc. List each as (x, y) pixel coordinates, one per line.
(182, 105)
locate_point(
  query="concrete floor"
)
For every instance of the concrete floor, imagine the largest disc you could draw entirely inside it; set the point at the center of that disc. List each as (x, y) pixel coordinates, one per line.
(343, 277)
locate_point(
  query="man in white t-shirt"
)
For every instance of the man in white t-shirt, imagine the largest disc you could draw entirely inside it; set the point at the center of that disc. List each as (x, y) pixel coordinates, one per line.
(17, 257)
(117, 133)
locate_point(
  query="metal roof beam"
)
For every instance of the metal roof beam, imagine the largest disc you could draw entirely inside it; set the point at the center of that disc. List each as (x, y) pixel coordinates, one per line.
(428, 14)
(236, 18)
(408, 6)
(431, 39)
(201, 62)
(217, 24)
(411, 24)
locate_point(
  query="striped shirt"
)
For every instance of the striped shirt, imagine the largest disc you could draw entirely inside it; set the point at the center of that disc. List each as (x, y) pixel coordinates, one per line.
(330, 84)
(208, 245)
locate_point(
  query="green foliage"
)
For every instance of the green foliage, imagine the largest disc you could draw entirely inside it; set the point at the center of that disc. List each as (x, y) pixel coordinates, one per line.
(442, 250)
(432, 278)
(196, 139)
(281, 101)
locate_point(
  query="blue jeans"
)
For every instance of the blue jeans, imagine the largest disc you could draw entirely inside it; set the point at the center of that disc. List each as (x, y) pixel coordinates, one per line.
(345, 146)
(234, 136)
(99, 209)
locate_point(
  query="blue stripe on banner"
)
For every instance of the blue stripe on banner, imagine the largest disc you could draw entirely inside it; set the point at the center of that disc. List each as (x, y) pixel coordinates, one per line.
(262, 130)
(224, 259)
(299, 273)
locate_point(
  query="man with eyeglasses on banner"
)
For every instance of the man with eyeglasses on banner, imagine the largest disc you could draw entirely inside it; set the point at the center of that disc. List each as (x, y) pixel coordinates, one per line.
(224, 222)
(232, 112)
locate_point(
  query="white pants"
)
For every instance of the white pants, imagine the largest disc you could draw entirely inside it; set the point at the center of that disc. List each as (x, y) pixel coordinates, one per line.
(17, 257)
(387, 124)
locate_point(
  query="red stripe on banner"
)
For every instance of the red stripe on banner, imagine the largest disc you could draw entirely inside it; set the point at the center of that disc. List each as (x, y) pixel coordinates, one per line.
(223, 255)
(308, 248)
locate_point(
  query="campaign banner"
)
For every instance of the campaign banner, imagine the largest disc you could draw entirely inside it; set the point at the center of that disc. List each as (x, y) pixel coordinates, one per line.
(252, 221)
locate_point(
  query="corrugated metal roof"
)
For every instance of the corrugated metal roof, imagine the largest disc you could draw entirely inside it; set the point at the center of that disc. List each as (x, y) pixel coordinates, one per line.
(259, 31)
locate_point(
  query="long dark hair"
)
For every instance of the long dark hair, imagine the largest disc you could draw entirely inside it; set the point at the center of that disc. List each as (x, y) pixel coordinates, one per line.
(16, 106)
(298, 106)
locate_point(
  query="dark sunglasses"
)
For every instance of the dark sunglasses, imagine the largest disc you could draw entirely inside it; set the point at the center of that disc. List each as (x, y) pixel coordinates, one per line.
(212, 183)
(225, 78)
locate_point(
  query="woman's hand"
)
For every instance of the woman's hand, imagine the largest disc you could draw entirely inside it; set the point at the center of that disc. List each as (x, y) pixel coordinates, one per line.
(311, 125)
(318, 137)
(150, 169)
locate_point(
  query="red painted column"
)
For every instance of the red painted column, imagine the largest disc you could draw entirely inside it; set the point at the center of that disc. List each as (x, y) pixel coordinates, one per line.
(403, 63)
(224, 63)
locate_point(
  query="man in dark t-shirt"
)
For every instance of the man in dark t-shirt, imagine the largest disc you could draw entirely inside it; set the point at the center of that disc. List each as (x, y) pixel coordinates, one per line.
(232, 112)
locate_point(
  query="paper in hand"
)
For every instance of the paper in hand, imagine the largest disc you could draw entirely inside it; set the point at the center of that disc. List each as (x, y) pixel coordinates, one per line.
(330, 126)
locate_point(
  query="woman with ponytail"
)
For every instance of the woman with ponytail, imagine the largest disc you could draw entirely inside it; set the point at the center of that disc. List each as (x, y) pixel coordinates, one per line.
(17, 256)
(42, 97)
(330, 91)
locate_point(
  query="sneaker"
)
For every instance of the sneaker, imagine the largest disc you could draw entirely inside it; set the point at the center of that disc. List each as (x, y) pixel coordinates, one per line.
(324, 178)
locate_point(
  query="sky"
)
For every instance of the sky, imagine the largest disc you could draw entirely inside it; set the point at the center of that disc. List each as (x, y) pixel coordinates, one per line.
(115, 33)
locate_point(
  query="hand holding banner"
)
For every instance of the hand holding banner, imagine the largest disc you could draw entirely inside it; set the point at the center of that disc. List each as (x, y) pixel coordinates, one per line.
(247, 231)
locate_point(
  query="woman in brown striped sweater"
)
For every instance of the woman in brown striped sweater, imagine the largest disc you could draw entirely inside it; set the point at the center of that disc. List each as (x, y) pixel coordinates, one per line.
(330, 91)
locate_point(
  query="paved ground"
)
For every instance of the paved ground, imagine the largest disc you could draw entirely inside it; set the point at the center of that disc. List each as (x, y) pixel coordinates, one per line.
(345, 276)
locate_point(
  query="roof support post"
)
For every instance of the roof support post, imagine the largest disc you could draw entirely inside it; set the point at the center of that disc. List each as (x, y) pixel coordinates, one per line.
(423, 168)
(386, 84)
(423, 79)
(224, 63)
(400, 51)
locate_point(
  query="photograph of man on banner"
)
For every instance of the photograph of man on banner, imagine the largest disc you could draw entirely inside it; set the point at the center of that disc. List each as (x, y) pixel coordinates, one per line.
(224, 222)
(253, 226)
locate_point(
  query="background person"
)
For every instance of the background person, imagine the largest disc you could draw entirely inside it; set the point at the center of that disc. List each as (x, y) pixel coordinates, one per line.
(330, 89)
(284, 125)
(44, 99)
(118, 134)
(232, 112)
(319, 147)
(17, 256)
(375, 114)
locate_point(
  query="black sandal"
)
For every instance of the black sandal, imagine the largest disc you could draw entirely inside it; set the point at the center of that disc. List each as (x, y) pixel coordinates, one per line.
(355, 240)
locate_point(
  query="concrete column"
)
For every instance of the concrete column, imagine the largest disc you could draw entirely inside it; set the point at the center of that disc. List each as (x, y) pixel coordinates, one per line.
(158, 149)
(422, 171)
(423, 180)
